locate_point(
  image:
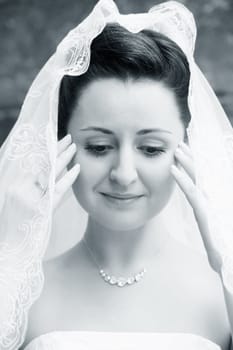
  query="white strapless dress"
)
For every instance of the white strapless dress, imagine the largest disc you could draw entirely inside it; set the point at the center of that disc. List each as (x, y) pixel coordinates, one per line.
(85, 340)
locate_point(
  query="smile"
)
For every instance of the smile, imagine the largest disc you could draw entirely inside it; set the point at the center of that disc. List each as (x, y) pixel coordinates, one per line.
(120, 200)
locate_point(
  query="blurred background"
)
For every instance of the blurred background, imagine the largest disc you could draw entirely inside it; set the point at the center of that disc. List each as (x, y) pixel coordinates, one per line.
(30, 30)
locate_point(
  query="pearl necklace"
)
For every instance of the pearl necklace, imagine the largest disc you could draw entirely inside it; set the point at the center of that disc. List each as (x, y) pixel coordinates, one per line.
(111, 279)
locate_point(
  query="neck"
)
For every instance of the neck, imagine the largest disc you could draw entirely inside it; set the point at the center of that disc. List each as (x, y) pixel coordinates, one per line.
(125, 251)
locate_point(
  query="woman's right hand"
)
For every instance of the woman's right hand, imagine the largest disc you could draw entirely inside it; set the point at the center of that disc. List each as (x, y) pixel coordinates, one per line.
(21, 197)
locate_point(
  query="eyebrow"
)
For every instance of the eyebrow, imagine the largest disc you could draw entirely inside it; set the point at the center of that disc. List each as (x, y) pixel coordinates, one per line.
(140, 132)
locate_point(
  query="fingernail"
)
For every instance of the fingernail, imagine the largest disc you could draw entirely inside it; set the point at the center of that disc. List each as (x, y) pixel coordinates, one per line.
(178, 151)
(73, 146)
(182, 144)
(68, 137)
(76, 167)
(173, 168)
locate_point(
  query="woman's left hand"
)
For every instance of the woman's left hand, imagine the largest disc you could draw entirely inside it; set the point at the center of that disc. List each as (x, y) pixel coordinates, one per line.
(184, 175)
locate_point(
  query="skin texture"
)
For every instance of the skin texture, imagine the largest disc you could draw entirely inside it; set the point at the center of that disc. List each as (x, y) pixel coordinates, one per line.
(125, 168)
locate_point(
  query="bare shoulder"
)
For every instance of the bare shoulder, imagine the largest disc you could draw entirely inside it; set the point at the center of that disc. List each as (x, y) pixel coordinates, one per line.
(205, 287)
(195, 263)
(57, 271)
(42, 315)
(198, 273)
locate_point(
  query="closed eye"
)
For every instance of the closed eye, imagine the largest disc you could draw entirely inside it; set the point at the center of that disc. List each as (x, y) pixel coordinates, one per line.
(151, 151)
(98, 150)
(103, 150)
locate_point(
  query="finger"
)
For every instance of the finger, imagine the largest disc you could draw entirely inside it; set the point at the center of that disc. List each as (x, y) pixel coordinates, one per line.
(63, 143)
(198, 203)
(64, 158)
(186, 162)
(185, 183)
(186, 149)
(41, 182)
(192, 193)
(65, 183)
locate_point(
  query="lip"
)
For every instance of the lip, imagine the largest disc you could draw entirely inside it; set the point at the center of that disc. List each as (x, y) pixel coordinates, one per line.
(122, 202)
(121, 196)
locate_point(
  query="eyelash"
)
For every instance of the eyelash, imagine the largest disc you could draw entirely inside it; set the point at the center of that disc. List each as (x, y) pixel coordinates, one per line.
(93, 150)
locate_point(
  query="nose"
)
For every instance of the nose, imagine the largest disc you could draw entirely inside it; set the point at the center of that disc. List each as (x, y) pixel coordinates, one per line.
(124, 172)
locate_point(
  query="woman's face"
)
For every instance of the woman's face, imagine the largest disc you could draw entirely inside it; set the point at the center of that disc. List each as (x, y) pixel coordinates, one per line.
(126, 135)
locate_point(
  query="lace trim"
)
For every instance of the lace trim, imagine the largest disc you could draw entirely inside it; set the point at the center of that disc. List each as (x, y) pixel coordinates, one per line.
(170, 18)
(21, 274)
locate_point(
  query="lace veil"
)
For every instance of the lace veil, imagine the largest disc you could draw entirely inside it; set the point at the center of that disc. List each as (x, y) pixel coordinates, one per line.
(30, 150)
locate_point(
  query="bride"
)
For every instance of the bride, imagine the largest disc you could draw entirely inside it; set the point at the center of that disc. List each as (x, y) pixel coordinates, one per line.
(133, 146)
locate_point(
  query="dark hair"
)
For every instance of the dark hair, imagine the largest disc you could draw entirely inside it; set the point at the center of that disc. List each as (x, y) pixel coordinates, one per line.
(118, 53)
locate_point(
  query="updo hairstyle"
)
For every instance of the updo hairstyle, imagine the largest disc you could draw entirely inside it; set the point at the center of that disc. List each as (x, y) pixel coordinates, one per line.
(118, 53)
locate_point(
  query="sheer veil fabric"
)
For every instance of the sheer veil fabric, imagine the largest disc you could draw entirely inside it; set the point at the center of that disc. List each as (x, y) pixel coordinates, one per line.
(30, 151)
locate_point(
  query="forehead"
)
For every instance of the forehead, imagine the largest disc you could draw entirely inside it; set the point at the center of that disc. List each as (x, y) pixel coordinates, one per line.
(121, 105)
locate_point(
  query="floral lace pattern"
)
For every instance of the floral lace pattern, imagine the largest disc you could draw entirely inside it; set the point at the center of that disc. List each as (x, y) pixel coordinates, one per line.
(20, 261)
(170, 18)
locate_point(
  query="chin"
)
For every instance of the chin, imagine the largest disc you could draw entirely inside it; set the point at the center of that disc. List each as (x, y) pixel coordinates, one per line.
(119, 217)
(120, 224)
(120, 220)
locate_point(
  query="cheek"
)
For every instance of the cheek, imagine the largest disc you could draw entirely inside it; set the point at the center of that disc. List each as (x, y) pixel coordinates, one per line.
(153, 175)
(92, 173)
(91, 168)
(160, 182)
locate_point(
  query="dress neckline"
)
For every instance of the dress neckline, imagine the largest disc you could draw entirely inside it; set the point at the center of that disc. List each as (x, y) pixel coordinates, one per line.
(123, 334)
